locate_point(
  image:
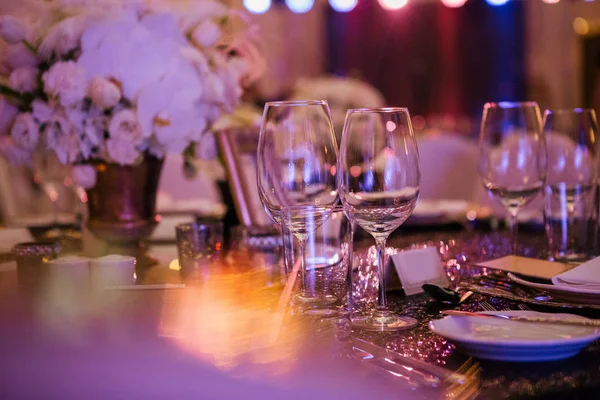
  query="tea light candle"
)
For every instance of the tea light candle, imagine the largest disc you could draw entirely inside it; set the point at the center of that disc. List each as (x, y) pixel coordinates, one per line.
(112, 270)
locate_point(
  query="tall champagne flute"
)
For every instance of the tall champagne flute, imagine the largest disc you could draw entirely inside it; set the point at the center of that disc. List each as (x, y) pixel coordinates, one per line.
(379, 187)
(512, 158)
(572, 150)
(297, 156)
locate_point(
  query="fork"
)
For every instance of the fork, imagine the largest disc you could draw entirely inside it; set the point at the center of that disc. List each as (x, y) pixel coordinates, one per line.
(488, 307)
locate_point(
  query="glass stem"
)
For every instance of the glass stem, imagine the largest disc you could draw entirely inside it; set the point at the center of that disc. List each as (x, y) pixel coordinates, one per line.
(381, 303)
(350, 265)
(514, 230)
(302, 254)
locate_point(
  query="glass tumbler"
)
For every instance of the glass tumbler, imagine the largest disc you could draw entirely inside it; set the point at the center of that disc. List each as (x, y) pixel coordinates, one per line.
(570, 218)
(198, 245)
(329, 255)
(31, 258)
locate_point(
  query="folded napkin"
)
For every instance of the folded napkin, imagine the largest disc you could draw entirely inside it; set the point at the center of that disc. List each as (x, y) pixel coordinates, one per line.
(584, 276)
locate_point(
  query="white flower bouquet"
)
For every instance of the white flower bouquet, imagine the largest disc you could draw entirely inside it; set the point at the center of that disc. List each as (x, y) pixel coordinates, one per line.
(115, 80)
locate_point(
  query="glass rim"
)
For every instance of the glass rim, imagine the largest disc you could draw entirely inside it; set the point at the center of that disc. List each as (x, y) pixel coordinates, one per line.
(205, 224)
(576, 110)
(295, 103)
(382, 110)
(510, 104)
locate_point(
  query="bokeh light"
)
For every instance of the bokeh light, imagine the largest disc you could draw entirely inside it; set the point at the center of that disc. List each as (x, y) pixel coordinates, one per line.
(300, 6)
(257, 6)
(392, 4)
(550, 1)
(497, 2)
(454, 3)
(581, 26)
(343, 5)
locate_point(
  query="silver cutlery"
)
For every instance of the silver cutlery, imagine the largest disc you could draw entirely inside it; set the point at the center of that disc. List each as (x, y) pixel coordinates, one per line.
(526, 318)
(396, 363)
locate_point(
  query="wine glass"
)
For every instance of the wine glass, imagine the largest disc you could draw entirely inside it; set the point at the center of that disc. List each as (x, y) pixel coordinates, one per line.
(512, 158)
(297, 156)
(572, 151)
(379, 187)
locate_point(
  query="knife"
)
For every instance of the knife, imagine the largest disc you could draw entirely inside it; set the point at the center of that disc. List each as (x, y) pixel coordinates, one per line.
(422, 372)
(527, 318)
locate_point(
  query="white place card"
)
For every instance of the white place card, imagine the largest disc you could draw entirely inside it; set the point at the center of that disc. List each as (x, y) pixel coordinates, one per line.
(419, 266)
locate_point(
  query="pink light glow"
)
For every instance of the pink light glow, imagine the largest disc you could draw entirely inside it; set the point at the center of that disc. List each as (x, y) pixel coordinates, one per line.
(454, 3)
(392, 4)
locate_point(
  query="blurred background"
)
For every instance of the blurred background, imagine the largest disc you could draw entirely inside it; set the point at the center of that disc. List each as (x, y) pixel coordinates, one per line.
(443, 59)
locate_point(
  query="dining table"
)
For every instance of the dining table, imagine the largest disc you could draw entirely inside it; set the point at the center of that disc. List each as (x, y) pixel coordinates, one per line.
(223, 337)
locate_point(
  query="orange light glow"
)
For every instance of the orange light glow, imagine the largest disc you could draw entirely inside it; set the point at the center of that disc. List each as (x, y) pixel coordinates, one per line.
(355, 171)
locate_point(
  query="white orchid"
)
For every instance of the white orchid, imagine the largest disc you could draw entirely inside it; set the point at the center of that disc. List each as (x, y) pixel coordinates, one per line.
(25, 131)
(168, 110)
(66, 81)
(104, 93)
(120, 78)
(132, 53)
(24, 80)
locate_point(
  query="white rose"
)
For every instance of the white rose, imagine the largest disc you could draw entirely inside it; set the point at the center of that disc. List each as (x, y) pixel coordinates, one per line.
(206, 34)
(122, 152)
(8, 112)
(125, 137)
(12, 30)
(104, 93)
(19, 56)
(125, 125)
(13, 153)
(84, 176)
(25, 131)
(66, 81)
(24, 80)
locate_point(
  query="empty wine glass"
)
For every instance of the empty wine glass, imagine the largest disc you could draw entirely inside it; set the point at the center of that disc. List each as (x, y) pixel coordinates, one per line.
(379, 187)
(297, 156)
(512, 158)
(572, 150)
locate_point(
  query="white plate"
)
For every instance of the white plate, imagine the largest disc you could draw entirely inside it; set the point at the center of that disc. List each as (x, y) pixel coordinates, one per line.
(505, 340)
(563, 293)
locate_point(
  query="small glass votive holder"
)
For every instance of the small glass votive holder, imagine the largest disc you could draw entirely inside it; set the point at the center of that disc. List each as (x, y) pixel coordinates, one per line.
(31, 258)
(325, 282)
(198, 245)
(570, 219)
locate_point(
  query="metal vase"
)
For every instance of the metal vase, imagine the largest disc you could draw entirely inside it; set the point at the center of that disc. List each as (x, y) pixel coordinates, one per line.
(122, 205)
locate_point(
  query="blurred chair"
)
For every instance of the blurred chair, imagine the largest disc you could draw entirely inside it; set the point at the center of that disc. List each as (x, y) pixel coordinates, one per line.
(448, 165)
(198, 194)
(341, 94)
